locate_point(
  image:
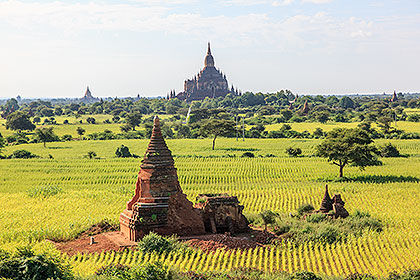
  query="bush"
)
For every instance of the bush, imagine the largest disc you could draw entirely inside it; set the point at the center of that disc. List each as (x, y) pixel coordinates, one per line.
(91, 154)
(25, 264)
(248, 154)
(152, 271)
(294, 152)
(389, 150)
(153, 242)
(304, 209)
(357, 276)
(114, 270)
(66, 137)
(316, 218)
(282, 229)
(123, 152)
(268, 217)
(304, 275)
(327, 234)
(24, 154)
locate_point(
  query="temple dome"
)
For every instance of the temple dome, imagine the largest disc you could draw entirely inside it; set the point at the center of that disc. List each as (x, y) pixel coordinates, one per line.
(209, 60)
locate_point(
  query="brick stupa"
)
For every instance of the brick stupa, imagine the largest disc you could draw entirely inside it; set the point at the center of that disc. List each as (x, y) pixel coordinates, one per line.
(159, 204)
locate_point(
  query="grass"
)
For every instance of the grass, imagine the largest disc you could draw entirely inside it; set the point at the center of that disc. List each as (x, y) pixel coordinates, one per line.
(91, 190)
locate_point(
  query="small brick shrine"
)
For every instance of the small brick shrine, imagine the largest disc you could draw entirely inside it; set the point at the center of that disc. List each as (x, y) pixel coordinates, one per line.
(333, 207)
(222, 213)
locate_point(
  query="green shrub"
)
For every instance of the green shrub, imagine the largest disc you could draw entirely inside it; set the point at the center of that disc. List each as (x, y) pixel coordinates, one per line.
(66, 137)
(151, 271)
(26, 265)
(153, 242)
(304, 275)
(316, 218)
(90, 154)
(282, 229)
(327, 234)
(268, 217)
(304, 209)
(123, 152)
(357, 276)
(294, 152)
(248, 154)
(389, 150)
(23, 154)
(114, 270)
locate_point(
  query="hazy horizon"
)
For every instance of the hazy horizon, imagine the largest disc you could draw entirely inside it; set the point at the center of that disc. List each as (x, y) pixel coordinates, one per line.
(54, 49)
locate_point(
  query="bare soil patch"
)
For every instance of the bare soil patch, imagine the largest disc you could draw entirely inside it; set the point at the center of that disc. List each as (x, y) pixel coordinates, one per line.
(106, 240)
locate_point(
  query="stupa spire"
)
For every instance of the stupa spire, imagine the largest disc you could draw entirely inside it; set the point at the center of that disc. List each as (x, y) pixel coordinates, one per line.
(157, 153)
(326, 204)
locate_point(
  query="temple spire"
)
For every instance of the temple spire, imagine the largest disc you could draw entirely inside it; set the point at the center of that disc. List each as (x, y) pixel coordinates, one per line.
(326, 204)
(208, 48)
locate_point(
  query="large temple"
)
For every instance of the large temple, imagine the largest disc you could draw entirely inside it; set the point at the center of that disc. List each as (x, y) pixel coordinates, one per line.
(88, 97)
(209, 82)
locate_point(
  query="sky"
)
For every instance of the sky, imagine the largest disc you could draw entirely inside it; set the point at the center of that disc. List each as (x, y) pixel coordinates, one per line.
(149, 47)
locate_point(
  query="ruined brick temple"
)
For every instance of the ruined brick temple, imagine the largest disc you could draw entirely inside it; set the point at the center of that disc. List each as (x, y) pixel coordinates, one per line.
(333, 207)
(222, 213)
(159, 204)
(209, 82)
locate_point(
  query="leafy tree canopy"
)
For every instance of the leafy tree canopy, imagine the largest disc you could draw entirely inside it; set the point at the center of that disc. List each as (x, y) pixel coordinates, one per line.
(348, 146)
(133, 120)
(216, 128)
(19, 121)
(45, 134)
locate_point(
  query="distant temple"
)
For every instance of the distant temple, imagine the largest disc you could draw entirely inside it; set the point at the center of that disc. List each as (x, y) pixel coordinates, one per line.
(88, 97)
(394, 97)
(210, 82)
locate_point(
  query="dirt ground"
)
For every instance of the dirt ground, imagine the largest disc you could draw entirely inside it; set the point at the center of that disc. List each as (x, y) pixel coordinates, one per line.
(115, 241)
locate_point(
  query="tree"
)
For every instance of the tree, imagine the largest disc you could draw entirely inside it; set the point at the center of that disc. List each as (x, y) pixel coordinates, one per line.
(346, 102)
(287, 114)
(19, 121)
(348, 146)
(294, 152)
(268, 217)
(36, 120)
(322, 116)
(10, 107)
(45, 134)
(2, 143)
(133, 120)
(91, 120)
(91, 154)
(216, 128)
(384, 123)
(80, 131)
(123, 152)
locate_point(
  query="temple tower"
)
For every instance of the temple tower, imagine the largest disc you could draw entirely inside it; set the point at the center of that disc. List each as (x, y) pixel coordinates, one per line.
(158, 203)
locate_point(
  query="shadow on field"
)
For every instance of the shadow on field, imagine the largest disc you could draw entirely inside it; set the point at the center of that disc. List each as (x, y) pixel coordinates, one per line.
(378, 179)
(59, 148)
(240, 149)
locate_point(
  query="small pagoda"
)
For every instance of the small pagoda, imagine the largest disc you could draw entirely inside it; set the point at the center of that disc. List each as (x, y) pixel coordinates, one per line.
(333, 207)
(159, 204)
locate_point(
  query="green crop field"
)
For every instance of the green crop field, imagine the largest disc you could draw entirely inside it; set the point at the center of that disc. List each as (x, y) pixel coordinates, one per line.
(90, 190)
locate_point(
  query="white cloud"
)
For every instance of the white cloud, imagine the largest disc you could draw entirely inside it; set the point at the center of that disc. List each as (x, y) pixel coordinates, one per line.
(317, 1)
(282, 3)
(297, 31)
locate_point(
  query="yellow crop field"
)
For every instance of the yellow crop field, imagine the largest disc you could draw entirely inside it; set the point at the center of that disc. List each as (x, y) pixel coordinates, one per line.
(94, 189)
